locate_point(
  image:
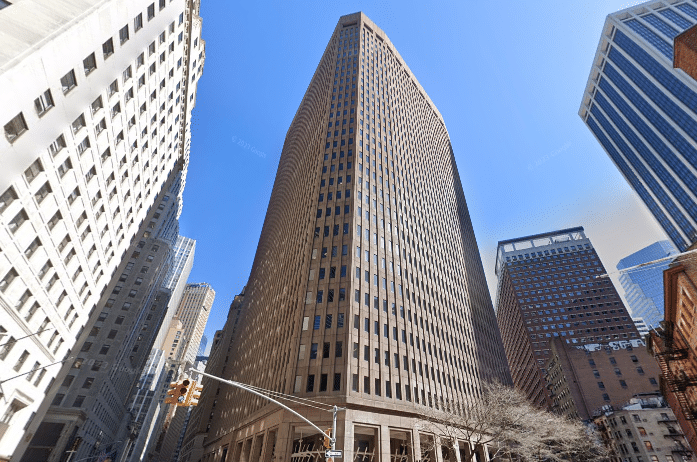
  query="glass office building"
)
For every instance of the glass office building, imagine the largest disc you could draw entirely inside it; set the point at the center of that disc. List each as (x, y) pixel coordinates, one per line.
(643, 111)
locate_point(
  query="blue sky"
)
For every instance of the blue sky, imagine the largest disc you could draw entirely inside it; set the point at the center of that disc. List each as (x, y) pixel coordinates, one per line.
(507, 78)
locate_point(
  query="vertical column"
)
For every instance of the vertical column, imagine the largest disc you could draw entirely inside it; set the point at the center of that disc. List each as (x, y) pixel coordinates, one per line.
(416, 445)
(345, 429)
(384, 443)
(438, 449)
(456, 451)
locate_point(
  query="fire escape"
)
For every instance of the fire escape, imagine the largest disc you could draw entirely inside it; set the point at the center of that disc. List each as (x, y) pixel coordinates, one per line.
(670, 353)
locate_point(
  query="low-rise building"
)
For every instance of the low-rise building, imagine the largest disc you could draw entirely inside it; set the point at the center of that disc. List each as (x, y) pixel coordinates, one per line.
(643, 430)
(583, 379)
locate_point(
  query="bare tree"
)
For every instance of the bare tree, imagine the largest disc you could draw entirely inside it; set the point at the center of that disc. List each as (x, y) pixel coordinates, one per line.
(504, 421)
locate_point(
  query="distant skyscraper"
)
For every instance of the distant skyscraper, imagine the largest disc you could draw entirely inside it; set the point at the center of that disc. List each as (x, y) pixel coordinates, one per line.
(643, 287)
(548, 287)
(644, 112)
(193, 311)
(367, 289)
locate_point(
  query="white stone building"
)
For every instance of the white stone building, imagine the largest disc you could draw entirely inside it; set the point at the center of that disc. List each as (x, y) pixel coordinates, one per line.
(95, 113)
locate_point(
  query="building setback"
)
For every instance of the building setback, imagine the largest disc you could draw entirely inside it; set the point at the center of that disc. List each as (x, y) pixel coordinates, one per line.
(674, 344)
(583, 380)
(641, 110)
(549, 286)
(367, 289)
(643, 287)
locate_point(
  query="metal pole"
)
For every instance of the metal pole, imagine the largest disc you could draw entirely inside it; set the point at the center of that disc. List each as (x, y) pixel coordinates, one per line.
(333, 438)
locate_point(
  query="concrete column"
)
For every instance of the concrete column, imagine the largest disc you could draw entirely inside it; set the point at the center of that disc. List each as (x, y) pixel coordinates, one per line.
(438, 449)
(284, 441)
(457, 452)
(416, 445)
(384, 441)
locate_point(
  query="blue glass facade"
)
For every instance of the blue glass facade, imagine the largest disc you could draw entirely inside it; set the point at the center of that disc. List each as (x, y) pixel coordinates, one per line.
(643, 287)
(644, 113)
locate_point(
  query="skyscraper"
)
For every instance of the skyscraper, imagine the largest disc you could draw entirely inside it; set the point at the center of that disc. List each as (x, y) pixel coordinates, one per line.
(549, 286)
(644, 112)
(193, 311)
(367, 289)
(94, 158)
(643, 287)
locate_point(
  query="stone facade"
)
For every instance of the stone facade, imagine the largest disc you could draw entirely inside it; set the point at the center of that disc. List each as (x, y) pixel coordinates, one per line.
(367, 290)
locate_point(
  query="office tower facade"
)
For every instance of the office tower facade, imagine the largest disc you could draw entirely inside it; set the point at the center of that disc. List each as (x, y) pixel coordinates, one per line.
(643, 287)
(81, 169)
(193, 311)
(367, 289)
(585, 380)
(549, 286)
(146, 405)
(674, 344)
(642, 111)
(95, 136)
(643, 430)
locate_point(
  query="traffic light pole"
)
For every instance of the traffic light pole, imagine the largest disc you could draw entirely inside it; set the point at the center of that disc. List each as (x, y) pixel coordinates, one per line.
(331, 437)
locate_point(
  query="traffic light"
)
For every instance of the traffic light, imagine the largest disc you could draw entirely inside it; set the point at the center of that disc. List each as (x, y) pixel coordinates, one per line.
(182, 392)
(194, 395)
(172, 393)
(327, 439)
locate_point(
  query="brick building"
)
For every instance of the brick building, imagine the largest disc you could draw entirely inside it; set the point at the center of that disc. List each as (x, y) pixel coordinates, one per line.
(584, 379)
(675, 344)
(549, 287)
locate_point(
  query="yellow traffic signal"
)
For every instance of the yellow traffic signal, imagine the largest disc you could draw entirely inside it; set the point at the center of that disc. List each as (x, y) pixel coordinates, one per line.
(194, 395)
(327, 439)
(182, 392)
(172, 393)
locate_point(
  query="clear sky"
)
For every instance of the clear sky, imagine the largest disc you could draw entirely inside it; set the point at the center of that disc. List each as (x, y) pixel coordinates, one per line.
(506, 76)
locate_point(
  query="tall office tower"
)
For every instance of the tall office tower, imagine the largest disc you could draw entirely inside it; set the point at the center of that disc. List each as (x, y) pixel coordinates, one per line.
(146, 405)
(95, 127)
(643, 287)
(202, 415)
(82, 166)
(549, 286)
(193, 311)
(367, 289)
(642, 111)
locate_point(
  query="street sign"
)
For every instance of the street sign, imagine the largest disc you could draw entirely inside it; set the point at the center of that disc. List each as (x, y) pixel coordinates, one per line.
(334, 453)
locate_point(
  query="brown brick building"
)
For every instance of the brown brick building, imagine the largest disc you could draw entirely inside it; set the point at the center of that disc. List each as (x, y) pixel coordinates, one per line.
(583, 380)
(675, 344)
(548, 287)
(367, 290)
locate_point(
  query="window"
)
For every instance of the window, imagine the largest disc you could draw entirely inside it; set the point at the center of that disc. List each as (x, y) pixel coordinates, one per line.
(21, 360)
(15, 127)
(43, 192)
(44, 102)
(108, 48)
(78, 123)
(151, 11)
(310, 383)
(138, 23)
(97, 104)
(18, 221)
(113, 88)
(123, 34)
(8, 197)
(79, 399)
(127, 74)
(89, 63)
(68, 81)
(55, 147)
